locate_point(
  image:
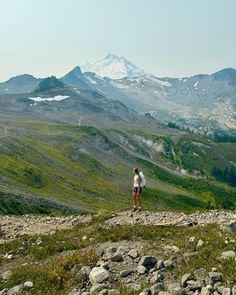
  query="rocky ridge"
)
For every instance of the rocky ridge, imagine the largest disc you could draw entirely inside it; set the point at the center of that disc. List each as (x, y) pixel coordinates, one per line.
(12, 227)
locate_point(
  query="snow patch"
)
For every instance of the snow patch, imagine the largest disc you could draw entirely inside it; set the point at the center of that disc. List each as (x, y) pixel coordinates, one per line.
(55, 98)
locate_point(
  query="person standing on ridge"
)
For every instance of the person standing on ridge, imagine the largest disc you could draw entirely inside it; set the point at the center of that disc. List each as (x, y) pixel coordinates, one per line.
(136, 190)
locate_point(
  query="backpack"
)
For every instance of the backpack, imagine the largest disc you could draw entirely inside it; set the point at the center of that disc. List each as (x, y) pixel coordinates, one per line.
(143, 179)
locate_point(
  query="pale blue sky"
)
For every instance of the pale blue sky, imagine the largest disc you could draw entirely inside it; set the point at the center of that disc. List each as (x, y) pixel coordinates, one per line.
(166, 38)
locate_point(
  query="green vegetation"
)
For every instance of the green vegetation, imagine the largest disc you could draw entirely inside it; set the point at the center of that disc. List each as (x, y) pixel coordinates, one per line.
(52, 267)
(85, 169)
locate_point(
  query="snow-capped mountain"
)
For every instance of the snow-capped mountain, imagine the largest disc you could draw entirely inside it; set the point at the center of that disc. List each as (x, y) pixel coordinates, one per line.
(114, 67)
(206, 102)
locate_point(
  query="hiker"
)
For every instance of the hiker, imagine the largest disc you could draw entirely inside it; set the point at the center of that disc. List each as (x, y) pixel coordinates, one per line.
(136, 191)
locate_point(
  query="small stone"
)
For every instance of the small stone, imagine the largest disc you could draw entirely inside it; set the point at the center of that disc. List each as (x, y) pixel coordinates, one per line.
(160, 264)
(200, 243)
(10, 257)
(228, 254)
(96, 288)
(117, 257)
(98, 275)
(145, 292)
(133, 253)
(217, 285)
(168, 263)
(157, 288)
(111, 249)
(39, 241)
(226, 291)
(215, 276)
(84, 271)
(205, 291)
(28, 285)
(194, 285)
(15, 290)
(52, 232)
(21, 250)
(186, 277)
(174, 288)
(123, 250)
(6, 275)
(210, 288)
(126, 273)
(141, 269)
(192, 240)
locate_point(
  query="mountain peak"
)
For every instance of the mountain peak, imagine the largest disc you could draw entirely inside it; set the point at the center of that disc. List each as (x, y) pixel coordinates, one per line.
(49, 83)
(114, 67)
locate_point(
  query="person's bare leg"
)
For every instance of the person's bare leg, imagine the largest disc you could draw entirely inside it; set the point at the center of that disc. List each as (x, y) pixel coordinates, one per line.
(138, 196)
(135, 201)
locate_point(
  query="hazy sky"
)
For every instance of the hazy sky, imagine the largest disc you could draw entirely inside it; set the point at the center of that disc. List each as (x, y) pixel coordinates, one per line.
(164, 37)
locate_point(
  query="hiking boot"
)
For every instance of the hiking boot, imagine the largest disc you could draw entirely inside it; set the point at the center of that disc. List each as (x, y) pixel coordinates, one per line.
(139, 210)
(134, 209)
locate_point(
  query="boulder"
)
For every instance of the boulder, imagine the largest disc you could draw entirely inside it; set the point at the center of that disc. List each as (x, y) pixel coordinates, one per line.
(141, 269)
(148, 261)
(98, 275)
